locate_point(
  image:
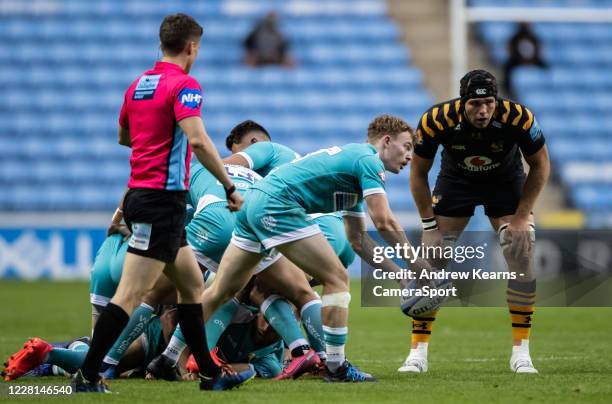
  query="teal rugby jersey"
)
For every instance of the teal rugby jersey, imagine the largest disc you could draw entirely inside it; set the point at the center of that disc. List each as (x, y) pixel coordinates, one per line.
(205, 189)
(328, 180)
(263, 157)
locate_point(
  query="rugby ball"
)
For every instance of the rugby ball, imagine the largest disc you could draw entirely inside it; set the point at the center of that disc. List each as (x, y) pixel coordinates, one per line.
(417, 303)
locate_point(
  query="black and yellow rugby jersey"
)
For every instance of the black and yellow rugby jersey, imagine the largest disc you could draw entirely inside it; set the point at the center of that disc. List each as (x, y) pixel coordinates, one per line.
(489, 154)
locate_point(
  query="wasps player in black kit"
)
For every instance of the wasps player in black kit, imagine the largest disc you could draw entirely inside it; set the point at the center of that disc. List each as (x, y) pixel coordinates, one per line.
(483, 137)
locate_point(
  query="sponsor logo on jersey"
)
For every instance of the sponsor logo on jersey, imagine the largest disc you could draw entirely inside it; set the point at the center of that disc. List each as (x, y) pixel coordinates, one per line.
(381, 174)
(458, 147)
(190, 97)
(141, 236)
(478, 164)
(498, 146)
(268, 222)
(435, 199)
(419, 137)
(476, 135)
(345, 200)
(145, 89)
(535, 132)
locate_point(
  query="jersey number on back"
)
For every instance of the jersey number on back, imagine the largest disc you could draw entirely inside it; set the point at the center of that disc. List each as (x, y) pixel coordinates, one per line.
(331, 151)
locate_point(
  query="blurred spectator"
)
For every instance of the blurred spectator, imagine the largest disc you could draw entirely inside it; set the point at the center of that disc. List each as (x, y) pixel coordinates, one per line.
(523, 49)
(266, 45)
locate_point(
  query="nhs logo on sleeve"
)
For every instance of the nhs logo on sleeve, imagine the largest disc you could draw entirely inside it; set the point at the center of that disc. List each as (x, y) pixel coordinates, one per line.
(190, 97)
(145, 89)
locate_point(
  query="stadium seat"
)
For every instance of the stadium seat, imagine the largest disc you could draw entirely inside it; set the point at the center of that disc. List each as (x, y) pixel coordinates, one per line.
(65, 73)
(571, 99)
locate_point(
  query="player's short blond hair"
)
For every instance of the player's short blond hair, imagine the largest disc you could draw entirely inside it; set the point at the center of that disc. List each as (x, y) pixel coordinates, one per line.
(384, 125)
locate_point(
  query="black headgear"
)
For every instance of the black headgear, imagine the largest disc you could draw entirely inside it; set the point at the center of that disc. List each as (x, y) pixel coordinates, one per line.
(478, 84)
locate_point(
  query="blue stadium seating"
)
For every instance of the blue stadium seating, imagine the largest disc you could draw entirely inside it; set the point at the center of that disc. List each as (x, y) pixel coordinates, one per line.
(571, 99)
(65, 64)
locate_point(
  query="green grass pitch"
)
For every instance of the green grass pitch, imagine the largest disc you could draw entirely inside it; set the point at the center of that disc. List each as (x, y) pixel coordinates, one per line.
(468, 355)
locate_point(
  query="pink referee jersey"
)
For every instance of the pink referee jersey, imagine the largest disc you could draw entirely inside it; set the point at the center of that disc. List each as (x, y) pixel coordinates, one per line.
(153, 105)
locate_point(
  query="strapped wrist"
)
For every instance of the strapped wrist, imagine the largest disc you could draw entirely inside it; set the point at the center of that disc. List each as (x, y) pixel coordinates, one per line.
(230, 190)
(117, 216)
(429, 224)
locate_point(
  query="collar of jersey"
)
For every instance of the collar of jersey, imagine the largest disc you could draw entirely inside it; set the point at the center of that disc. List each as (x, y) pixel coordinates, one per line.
(372, 148)
(159, 65)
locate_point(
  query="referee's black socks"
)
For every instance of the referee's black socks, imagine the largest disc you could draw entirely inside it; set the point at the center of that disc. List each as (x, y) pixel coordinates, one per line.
(112, 321)
(191, 320)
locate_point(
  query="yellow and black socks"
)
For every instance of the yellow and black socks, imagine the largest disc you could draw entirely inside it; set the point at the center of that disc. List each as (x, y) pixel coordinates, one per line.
(421, 328)
(520, 297)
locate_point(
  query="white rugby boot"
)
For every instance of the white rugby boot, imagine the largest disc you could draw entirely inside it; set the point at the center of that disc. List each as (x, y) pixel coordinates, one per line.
(416, 362)
(520, 361)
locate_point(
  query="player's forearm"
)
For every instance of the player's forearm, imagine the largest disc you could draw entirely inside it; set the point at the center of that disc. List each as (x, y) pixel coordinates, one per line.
(124, 136)
(236, 159)
(534, 184)
(118, 215)
(397, 237)
(364, 248)
(419, 187)
(210, 159)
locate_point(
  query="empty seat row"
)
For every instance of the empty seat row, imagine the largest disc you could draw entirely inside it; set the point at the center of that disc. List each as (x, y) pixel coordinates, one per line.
(61, 198)
(217, 30)
(143, 8)
(553, 33)
(562, 78)
(320, 54)
(111, 78)
(566, 55)
(66, 65)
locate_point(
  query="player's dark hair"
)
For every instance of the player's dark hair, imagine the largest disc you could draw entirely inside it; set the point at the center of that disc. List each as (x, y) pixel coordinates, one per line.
(176, 30)
(477, 84)
(243, 129)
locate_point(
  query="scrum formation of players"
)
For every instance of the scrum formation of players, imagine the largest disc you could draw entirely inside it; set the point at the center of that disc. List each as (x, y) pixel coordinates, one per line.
(302, 222)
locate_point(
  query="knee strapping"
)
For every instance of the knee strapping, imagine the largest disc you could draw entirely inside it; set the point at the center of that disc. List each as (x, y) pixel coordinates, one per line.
(449, 240)
(340, 299)
(505, 239)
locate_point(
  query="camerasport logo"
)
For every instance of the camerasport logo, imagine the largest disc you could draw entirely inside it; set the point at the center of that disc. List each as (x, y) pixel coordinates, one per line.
(479, 164)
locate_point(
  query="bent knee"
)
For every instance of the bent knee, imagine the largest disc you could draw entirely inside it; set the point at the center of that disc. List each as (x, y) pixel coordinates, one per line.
(337, 278)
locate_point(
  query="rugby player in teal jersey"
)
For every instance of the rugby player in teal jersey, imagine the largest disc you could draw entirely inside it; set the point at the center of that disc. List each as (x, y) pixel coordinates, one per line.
(252, 147)
(48, 359)
(248, 341)
(329, 180)
(275, 272)
(208, 232)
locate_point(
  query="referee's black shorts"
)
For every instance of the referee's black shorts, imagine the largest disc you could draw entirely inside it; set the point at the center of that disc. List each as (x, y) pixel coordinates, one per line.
(157, 221)
(458, 197)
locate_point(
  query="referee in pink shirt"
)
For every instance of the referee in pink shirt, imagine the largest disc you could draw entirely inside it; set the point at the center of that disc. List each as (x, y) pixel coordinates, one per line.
(160, 120)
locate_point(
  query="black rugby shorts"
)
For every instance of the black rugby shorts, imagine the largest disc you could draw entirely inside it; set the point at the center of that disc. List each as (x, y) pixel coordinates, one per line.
(157, 221)
(457, 197)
